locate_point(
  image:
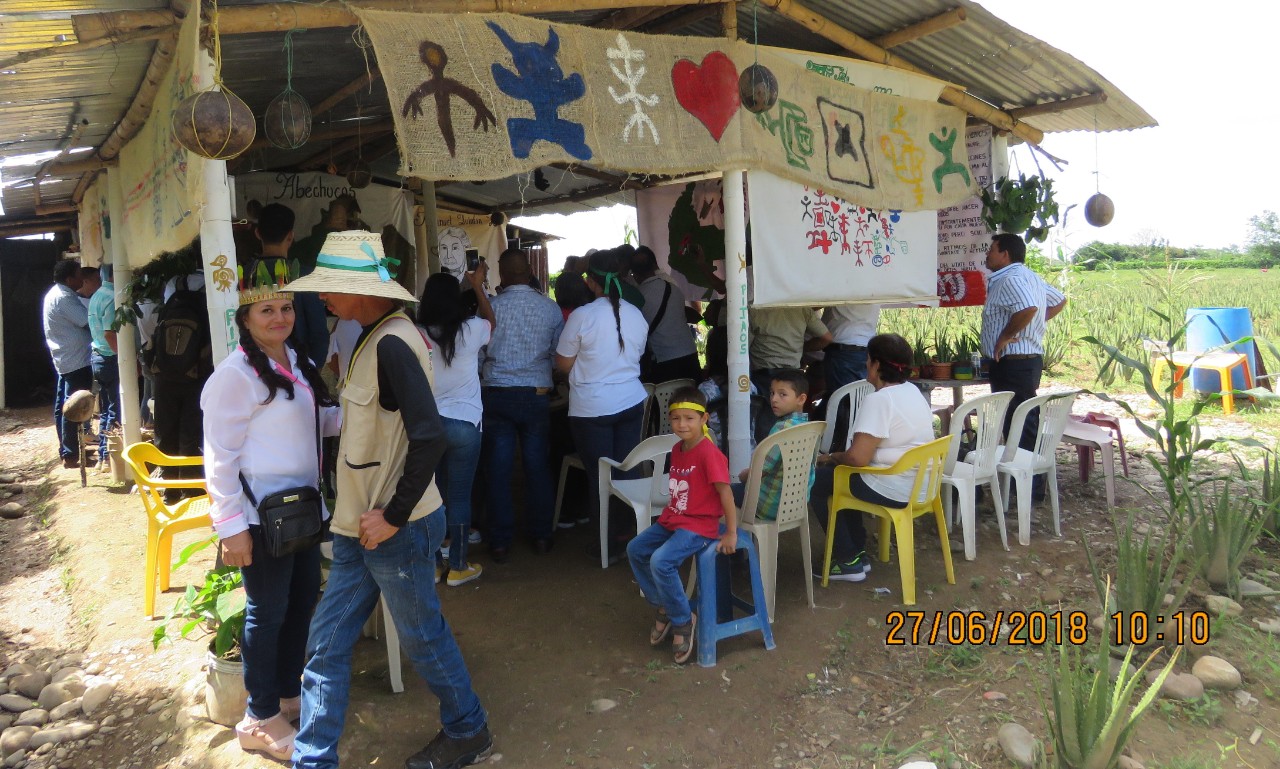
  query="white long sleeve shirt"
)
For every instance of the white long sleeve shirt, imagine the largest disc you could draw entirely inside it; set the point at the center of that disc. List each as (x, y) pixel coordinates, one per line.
(273, 444)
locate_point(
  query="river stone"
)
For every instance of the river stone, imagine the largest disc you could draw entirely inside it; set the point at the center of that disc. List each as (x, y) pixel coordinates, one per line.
(73, 673)
(99, 691)
(1220, 604)
(71, 660)
(8, 478)
(65, 710)
(30, 684)
(11, 510)
(1216, 673)
(1128, 762)
(56, 735)
(1019, 745)
(1252, 588)
(16, 738)
(54, 695)
(1182, 686)
(33, 717)
(1265, 625)
(17, 758)
(919, 765)
(17, 669)
(1245, 702)
(15, 703)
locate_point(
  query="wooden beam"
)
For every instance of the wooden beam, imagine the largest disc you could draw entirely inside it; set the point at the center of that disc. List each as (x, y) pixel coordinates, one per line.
(591, 192)
(1062, 105)
(36, 226)
(863, 48)
(56, 208)
(25, 57)
(75, 167)
(140, 109)
(947, 20)
(281, 17)
(328, 133)
(345, 92)
(729, 20)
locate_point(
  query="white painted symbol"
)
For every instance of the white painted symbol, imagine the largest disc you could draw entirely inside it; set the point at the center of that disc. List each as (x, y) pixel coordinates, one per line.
(631, 77)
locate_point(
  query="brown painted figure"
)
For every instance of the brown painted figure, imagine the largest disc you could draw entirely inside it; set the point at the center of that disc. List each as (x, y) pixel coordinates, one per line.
(442, 88)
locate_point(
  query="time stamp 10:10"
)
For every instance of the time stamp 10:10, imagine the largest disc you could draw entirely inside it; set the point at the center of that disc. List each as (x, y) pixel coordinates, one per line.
(1035, 628)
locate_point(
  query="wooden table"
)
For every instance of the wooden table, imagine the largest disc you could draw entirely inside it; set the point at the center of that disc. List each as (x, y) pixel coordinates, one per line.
(957, 395)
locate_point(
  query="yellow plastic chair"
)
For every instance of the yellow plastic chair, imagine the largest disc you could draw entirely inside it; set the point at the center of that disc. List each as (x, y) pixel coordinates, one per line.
(927, 461)
(164, 520)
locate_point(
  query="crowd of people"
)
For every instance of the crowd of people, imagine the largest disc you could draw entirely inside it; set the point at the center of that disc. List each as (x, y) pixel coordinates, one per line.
(420, 409)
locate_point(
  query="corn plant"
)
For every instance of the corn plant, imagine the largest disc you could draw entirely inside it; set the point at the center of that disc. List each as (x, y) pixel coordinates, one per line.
(1224, 526)
(1092, 720)
(1144, 572)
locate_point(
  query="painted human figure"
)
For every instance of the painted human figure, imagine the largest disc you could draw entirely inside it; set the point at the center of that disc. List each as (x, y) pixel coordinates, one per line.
(454, 243)
(442, 88)
(542, 83)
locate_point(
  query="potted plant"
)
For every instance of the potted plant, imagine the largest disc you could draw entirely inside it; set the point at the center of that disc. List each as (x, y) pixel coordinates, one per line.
(963, 348)
(943, 355)
(1023, 206)
(920, 360)
(216, 607)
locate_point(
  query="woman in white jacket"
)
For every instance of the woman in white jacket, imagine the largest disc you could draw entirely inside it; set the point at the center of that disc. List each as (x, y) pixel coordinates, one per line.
(263, 407)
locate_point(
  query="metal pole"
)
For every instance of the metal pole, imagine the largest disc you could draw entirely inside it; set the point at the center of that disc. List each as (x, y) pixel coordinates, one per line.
(126, 335)
(735, 278)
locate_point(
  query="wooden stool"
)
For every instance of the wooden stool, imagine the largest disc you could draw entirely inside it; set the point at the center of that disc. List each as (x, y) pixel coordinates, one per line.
(1221, 362)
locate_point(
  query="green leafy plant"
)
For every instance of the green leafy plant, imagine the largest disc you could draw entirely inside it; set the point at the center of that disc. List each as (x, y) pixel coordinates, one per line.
(1144, 574)
(1024, 206)
(964, 345)
(1224, 525)
(1092, 720)
(216, 607)
(944, 350)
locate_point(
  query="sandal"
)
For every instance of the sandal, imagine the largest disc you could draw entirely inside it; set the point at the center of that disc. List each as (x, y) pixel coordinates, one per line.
(684, 648)
(661, 629)
(254, 734)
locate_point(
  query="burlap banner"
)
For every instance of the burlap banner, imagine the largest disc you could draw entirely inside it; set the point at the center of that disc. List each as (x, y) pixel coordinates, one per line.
(484, 96)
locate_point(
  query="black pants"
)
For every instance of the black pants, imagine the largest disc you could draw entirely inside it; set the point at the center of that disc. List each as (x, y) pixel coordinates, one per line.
(851, 535)
(1020, 376)
(179, 431)
(676, 368)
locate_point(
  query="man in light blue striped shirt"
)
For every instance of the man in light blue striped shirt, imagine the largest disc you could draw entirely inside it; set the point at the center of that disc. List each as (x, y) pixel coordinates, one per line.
(1019, 304)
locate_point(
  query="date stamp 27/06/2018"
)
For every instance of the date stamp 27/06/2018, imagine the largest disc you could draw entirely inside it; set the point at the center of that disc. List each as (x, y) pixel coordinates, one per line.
(1038, 627)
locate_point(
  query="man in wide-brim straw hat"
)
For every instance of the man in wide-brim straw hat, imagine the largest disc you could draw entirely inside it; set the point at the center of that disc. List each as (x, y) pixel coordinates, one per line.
(389, 519)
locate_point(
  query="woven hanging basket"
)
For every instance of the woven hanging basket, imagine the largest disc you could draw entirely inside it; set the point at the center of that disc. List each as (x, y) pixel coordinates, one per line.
(287, 122)
(214, 124)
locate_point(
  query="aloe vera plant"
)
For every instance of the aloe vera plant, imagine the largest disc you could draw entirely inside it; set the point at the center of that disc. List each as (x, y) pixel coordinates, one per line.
(1144, 573)
(1092, 719)
(1224, 525)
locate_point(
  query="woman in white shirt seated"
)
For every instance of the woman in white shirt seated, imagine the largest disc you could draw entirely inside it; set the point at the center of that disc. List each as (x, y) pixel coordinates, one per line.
(263, 407)
(891, 420)
(457, 339)
(600, 350)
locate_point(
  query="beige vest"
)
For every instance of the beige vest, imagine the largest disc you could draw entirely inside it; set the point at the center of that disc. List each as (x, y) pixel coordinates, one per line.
(374, 442)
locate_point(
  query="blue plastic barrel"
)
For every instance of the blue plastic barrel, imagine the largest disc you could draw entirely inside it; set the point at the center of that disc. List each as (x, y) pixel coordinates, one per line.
(1214, 327)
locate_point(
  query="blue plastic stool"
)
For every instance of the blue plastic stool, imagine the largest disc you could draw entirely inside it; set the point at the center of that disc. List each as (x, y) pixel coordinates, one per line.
(715, 598)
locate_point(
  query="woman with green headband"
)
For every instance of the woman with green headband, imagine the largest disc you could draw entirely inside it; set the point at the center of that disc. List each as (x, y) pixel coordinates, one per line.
(600, 350)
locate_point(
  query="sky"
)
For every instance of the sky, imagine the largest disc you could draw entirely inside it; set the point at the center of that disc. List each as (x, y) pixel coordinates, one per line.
(1202, 71)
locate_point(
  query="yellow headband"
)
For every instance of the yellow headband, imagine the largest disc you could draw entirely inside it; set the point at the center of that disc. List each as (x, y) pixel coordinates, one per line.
(693, 407)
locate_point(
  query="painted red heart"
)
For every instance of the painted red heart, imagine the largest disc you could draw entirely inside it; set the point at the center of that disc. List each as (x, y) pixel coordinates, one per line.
(708, 92)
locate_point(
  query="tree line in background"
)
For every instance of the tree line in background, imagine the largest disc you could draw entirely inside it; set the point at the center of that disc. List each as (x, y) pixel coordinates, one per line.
(1262, 251)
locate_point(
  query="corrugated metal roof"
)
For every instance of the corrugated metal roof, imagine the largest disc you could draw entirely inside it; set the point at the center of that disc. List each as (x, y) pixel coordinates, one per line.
(43, 99)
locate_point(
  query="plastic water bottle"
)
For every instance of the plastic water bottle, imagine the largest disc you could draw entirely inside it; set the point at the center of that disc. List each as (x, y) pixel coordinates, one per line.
(976, 360)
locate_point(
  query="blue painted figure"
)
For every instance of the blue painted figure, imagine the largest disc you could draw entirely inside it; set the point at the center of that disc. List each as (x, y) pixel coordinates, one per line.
(542, 83)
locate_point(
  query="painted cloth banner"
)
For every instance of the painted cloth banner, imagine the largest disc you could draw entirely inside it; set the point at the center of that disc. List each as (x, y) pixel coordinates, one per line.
(484, 96)
(963, 238)
(459, 232)
(163, 185)
(812, 248)
(95, 223)
(684, 225)
(868, 75)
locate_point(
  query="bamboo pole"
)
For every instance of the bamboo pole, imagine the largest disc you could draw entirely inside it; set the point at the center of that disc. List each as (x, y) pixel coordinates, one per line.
(1062, 105)
(137, 35)
(140, 108)
(281, 17)
(76, 167)
(346, 91)
(728, 20)
(863, 48)
(947, 20)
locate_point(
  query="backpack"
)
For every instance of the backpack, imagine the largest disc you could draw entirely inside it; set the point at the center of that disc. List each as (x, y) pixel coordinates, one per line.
(177, 349)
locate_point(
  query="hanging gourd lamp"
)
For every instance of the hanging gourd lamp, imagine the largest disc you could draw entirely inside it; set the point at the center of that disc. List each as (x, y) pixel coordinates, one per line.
(360, 175)
(757, 88)
(1099, 210)
(287, 122)
(214, 124)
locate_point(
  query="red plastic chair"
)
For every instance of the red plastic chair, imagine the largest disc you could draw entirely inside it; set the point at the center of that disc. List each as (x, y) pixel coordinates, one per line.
(1085, 453)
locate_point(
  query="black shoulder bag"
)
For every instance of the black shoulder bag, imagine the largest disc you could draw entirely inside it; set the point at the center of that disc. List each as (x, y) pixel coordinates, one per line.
(293, 519)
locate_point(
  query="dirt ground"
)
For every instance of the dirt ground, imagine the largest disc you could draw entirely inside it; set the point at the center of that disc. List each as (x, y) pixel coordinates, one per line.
(548, 638)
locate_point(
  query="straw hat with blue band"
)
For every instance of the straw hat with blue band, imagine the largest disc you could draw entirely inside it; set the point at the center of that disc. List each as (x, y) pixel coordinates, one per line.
(353, 262)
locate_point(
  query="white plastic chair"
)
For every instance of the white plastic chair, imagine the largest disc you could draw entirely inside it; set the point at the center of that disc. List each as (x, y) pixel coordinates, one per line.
(853, 392)
(661, 399)
(1094, 437)
(1021, 466)
(570, 462)
(977, 467)
(372, 627)
(799, 447)
(646, 496)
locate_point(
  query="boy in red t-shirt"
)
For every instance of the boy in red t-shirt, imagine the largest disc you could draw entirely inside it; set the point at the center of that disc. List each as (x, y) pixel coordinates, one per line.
(700, 494)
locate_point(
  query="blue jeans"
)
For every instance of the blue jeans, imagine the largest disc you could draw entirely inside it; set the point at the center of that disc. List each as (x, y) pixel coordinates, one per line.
(612, 436)
(656, 555)
(69, 432)
(455, 474)
(280, 595)
(106, 372)
(402, 570)
(843, 365)
(511, 415)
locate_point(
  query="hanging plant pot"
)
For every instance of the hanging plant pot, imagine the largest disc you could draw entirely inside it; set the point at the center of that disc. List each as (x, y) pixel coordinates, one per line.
(360, 175)
(1024, 206)
(214, 124)
(1099, 210)
(287, 122)
(757, 88)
